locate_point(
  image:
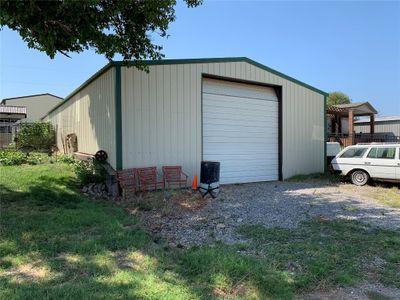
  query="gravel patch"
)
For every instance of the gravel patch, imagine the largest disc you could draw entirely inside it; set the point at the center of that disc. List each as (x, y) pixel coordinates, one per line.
(271, 204)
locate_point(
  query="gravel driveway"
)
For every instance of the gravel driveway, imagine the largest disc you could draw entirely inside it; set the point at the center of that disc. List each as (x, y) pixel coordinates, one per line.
(271, 204)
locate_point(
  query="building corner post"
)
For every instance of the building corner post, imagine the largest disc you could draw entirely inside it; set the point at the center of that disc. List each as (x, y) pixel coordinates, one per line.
(118, 118)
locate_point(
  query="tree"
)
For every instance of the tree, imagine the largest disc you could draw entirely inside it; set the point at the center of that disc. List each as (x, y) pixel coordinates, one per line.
(335, 98)
(108, 26)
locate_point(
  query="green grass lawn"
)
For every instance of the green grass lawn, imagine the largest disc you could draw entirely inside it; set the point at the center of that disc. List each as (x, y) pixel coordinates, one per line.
(55, 243)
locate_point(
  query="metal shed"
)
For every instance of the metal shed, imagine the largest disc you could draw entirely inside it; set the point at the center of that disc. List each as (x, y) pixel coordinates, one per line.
(259, 123)
(389, 126)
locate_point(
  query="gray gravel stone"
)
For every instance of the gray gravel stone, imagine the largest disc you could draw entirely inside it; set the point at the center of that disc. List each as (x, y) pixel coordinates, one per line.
(271, 204)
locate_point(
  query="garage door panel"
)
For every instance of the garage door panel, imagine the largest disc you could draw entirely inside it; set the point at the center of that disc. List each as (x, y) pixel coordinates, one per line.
(245, 103)
(251, 168)
(212, 129)
(248, 179)
(233, 158)
(220, 87)
(245, 150)
(245, 123)
(240, 130)
(226, 125)
(240, 104)
(240, 116)
(248, 173)
(237, 140)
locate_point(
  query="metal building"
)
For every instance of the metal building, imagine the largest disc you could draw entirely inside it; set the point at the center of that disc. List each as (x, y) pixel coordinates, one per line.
(259, 123)
(36, 105)
(388, 126)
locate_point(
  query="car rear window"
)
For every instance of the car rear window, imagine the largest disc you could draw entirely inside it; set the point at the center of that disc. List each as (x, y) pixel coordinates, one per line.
(385, 153)
(354, 152)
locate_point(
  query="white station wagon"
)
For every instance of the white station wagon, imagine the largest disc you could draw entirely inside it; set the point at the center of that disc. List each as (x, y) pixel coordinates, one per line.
(362, 162)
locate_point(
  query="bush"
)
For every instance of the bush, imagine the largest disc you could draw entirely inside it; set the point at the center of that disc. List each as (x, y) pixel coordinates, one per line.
(66, 159)
(36, 158)
(36, 136)
(12, 158)
(89, 171)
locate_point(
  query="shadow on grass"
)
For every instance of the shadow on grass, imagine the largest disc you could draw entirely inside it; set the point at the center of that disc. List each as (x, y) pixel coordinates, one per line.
(57, 244)
(46, 192)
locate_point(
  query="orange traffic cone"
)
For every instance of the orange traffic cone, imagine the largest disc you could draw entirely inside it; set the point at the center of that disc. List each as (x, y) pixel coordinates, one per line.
(194, 183)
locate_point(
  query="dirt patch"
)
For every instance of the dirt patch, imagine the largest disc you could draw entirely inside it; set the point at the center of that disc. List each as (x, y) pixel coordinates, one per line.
(31, 272)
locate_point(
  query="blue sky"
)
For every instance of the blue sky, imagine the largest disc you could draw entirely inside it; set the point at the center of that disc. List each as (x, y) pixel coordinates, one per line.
(353, 47)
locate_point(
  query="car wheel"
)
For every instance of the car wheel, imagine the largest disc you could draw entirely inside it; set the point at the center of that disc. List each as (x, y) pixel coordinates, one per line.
(359, 177)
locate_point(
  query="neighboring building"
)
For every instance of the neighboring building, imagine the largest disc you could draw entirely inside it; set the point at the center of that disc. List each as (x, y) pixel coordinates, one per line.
(9, 115)
(341, 120)
(259, 123)
(386, 126)
(36, 105)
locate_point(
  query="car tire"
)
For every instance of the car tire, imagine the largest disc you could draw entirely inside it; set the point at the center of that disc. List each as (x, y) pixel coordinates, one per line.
(359, 177)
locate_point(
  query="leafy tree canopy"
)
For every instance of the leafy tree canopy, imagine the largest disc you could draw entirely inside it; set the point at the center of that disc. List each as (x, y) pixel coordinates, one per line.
(108, 26)
(335, 98)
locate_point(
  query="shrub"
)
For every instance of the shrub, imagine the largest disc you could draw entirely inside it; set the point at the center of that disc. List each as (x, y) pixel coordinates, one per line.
(36, 158)
(11, 158)
(66, 159)
(89, 171)
(36, 136)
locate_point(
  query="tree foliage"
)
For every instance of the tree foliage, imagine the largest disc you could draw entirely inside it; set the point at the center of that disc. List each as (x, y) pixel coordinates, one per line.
(335, 98)
(108, 26)
(38, 136)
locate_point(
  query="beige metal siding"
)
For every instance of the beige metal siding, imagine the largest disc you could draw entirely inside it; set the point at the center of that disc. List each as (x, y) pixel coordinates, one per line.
(162, 116)
(90, 114)
(36, 106)
(389, 128)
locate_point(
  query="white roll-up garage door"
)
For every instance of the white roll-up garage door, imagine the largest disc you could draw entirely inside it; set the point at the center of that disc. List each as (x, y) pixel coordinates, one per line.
(240, 130)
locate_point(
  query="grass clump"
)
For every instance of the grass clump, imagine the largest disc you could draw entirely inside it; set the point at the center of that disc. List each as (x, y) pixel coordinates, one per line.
(388, 195)
(66, 159)
(314, 176)
(329, 253)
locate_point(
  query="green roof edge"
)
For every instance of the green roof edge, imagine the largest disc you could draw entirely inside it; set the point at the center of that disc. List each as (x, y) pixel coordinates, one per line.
(221, 59)
(184, 61)
(29, 96)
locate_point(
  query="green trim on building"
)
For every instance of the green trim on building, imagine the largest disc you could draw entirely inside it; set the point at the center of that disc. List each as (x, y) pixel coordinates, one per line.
(118, 94)
(183, 61)
(285, 76)
(325, 134)
(219, 60)
(118, 118)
